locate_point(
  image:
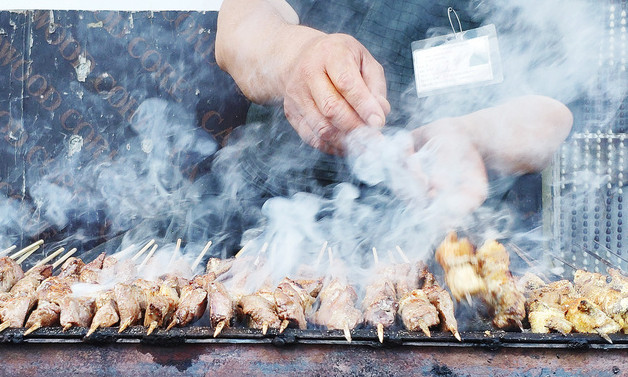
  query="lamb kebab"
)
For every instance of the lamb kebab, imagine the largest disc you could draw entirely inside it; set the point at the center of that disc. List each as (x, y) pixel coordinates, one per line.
(546, 305)
(457, 257)
(337, 309)
(502, 295)
(190, 306)
(619, 281)
(441, 300)
(10, 273)
(15, 308)
(294, 299)
(380, 300)
(613, 303)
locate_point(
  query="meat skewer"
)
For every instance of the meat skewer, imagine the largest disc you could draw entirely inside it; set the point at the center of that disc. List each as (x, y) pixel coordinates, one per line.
(502, 295)
(294, 299)
(106, 312)
(613, 303)
(7, 250)
(619, 281)
(442, 301)
(191, 305)
(545, 304)
(457, 257)
(161, 304)
(10, 273)
(50, 257)
(22, 298)
(34, 246)
(380, 305)
(201, 255)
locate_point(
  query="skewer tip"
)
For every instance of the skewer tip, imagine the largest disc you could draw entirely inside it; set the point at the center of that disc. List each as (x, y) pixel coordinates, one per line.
(425, 328)
(4, 326)
(606, 337)
(457, 335)
(67, 327)
(380, 332)
(32, 328)
(347, 332)
(284, 325)
(124, 326)
(91, 330)
(172, 324)
(219, 328)
(264, 328)
(151, 328)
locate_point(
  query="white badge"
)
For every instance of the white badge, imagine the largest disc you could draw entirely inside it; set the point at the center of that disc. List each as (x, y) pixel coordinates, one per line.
(456, 61)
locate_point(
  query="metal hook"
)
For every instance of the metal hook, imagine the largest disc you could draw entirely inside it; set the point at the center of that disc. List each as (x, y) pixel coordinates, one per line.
(451, 10)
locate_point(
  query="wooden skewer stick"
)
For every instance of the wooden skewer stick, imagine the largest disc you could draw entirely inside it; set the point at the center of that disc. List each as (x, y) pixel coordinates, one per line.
(375, 257)
(64, 257)
(143, 250)
(124, 325)
(219, 327)
(246, 246)
(201, 255)
(26, 255)
(67, 327)
(262, 251)
(425, 328)
(148, 256)
(92, 329)
(402, 254)
(175, 252)
(380, 332)
(320, 253)
(7, 250)
(50, 257)
(264, 328)
(34, 245)
(32, 328)
(151, 328)
(347, 332)
(330, 254)
(284, 325)
(172, 324)
(4, 326)
(457, 335)
(603, 335)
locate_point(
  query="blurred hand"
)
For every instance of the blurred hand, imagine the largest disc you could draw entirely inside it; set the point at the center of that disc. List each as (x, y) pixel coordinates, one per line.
(334, 87)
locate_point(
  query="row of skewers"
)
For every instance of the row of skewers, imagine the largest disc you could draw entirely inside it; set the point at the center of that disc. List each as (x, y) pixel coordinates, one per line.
(36, 298)
(593, 303)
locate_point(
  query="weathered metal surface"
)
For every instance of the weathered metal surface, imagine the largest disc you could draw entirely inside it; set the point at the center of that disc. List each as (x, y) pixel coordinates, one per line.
(198, 335)
(314, 360)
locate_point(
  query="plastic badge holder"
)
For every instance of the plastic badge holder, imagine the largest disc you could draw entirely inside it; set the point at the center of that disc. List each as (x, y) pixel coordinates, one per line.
(457, 61)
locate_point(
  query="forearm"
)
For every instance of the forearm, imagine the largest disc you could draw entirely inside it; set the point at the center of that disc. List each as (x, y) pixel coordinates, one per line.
(256, 43)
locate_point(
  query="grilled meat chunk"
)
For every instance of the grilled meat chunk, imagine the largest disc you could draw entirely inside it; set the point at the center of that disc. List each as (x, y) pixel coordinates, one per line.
(586, 317)
(458, 259)
(380, 303)
(546, 305)
(442, 301)
(191, 305)
(502, 294)
(619, 282)
(10, 273)
(106, 311)
(161, 304)
(221, 306)
(417, 313)
(129, 298)
(593, 287)
(337, 309)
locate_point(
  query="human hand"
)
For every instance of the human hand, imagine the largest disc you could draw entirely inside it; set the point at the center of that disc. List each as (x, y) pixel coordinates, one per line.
(333, 87)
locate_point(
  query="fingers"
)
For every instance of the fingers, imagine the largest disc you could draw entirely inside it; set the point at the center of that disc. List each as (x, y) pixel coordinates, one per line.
(305, 125)
(346, 76)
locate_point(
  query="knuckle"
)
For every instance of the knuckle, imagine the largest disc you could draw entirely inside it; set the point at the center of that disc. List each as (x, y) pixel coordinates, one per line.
(344, 81)
(331, 106)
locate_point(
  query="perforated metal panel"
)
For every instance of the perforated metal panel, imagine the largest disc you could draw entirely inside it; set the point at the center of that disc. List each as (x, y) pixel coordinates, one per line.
(589, 174)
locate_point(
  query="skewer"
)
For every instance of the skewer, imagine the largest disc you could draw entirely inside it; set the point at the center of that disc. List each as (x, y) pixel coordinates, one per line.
(32, 328)
(330, 255)
(64, 257)
(261, 252)
(402, 254)
(148, 256)
(611, 252)
(375, 257)
(26, 255)
(7, 250)
(522, 254)
(151, 328)
(5, 326)
(565, 262)
(347, 332)
(425, 328)
(380, 332)
(124, 325)
(246, 246)
(67, 327)
(49, 257)
(284, 325)
(175, 252)
(201, 255)
(264, 328)
(219, 327)
(172, 324)
(34, 245)
(607, 263)
(143, 250)
(320, 253)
